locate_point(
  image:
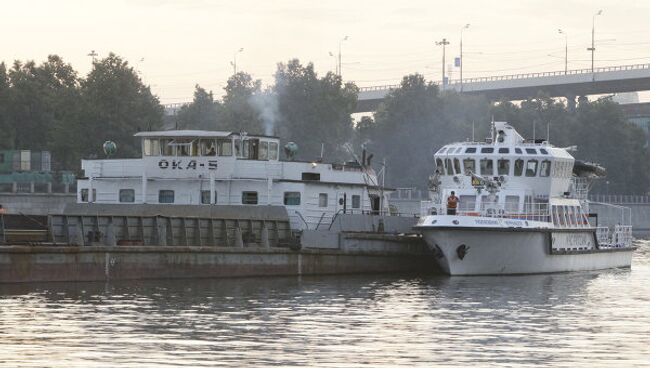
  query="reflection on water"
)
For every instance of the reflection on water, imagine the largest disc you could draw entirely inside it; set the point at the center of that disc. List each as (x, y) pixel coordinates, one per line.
(561, 320)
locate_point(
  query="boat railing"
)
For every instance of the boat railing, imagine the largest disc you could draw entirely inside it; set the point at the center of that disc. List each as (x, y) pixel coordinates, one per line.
(529, 212)
(619, 237)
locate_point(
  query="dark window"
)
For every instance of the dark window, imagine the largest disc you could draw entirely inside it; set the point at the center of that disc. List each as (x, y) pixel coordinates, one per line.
(440, 168)
(545, 169)
(205, 197)
(470, 150)
(356, 201)
(457, 165)
(310, 176)
(518, 150)
(543, 151)
(127, 195)
(519, 167)
(487, 167)
(531, 168)
(469, 165)
(249, 197)
(503, 167)
(504, 150)
(450, 170)
(292, 198)
(487, 150)
(166, 196)
(531, 151)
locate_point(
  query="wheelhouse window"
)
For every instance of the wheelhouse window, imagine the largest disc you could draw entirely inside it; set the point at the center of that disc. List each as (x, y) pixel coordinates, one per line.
(450, 169)
(205, 197)
(207, 147)
(185, 147)
(457, 166)
(518, 150)
(469, 165)
(322, 200)
(531, 151)
(545, 168)
(504, 150)
(264, 151)
(273, 150)
(531, 168)
(519, 167)
(249, 197)
(167, 148)
(127, 195)
(356, 201)
(151, 147)
(543, 151)
(442, 150)
(292, 198)
(440, 167)
(487, 150)
(224, 147)
(470, 150)
(503, 167)
(487, 167)
(165, 196)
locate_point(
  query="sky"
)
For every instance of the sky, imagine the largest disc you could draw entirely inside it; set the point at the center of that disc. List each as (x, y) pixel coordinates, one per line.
(176, 44)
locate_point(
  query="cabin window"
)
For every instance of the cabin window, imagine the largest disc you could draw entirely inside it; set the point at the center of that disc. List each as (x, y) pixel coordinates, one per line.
(488, 201)
(487, 167)
(545, 169)
(470, 150)
(167, 148)
(165, 196)
(127, 195)
(264, 151)
(439, 167)
(442, 150)
(457, 165)
(469, 165)
(356, 201)
(207, 147)
(512, 204)
(450, 169)
(205, 197)
(543, 151)
(519, 167)
(503, 167)
(151, 147)
(458, 150)
(531, 151)
(518, 150)
(531, 168)
(84, 195)
(487, 150)
(238, 148)
(185, 147)
(249, 197)
(292, 198)
(310, 176)
(467, 203)
(224, 147)
(273, 150)
(504, 150)
(322, 200)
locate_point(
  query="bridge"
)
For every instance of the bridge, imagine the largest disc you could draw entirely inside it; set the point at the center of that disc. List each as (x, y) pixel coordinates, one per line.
(569, 84)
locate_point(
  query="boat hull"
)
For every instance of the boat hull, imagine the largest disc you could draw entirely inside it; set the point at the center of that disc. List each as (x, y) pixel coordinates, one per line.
(509, 251)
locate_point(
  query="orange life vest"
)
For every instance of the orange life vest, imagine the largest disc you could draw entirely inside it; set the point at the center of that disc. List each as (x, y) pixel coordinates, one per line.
(452, 201)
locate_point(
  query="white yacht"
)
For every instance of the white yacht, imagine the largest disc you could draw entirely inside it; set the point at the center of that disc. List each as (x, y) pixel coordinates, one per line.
(193, 167)
(521, 210)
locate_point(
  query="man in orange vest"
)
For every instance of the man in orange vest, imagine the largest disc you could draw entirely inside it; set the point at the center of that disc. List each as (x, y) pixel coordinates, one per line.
(452, 203)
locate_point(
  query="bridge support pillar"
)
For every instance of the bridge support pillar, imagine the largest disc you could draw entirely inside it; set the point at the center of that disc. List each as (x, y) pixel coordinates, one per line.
(571, 103)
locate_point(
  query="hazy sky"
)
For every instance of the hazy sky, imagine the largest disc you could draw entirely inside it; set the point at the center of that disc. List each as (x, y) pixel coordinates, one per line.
(177, 44)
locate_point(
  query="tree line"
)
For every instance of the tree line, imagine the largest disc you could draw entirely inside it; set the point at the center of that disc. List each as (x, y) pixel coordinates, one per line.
(48, 106)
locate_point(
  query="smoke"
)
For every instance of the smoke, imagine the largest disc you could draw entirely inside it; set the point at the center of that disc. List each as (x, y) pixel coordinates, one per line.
(266, 105)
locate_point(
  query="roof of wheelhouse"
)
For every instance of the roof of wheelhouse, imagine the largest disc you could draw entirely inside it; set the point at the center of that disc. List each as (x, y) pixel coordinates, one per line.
(186, 133)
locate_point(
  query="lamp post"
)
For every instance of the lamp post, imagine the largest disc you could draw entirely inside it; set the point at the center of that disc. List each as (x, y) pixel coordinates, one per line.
(461, 55)
(593, 45)
(93, 55)
(566, 50)
(443, 43)
(234, 60)
(338, 71)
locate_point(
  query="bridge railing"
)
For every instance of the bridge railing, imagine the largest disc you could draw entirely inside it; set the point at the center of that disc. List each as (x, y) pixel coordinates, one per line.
(521, 76)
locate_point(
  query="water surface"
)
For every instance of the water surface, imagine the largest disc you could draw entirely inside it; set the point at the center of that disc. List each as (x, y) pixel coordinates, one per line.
(582, 319)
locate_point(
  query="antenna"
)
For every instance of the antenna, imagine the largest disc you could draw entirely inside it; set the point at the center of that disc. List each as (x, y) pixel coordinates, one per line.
(473, 140)
(534, 123)
(548, 131)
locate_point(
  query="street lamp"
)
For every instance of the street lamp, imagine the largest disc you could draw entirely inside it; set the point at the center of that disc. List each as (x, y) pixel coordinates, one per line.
(234, 60)
(339, 68)
(593, 46)
(566, 50)
(443, 43)
(461, 56)
(336, 65)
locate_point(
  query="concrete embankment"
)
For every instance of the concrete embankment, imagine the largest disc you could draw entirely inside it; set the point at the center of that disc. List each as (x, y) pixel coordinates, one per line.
(102, 263)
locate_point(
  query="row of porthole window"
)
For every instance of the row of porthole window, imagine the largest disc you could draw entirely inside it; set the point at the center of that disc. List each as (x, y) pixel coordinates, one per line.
(503, 150)
(248, 197)
(528, 168)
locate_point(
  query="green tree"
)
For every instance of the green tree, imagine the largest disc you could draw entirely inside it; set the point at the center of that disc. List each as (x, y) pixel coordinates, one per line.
(7, 132)
(202, 113)
(116, 105)
(313, 110)
(240, 104)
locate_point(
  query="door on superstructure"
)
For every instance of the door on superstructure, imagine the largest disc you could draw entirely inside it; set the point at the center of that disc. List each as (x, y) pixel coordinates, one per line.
(341, 202)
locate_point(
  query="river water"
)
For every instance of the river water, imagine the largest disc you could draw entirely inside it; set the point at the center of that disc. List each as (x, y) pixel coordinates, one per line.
(587, 319)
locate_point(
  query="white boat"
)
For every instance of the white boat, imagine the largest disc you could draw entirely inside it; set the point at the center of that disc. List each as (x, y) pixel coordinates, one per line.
(192, 167)
(521, 210)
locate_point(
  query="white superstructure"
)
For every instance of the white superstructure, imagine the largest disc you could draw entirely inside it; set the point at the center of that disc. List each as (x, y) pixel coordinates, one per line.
(520, 210)
(213, 167)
